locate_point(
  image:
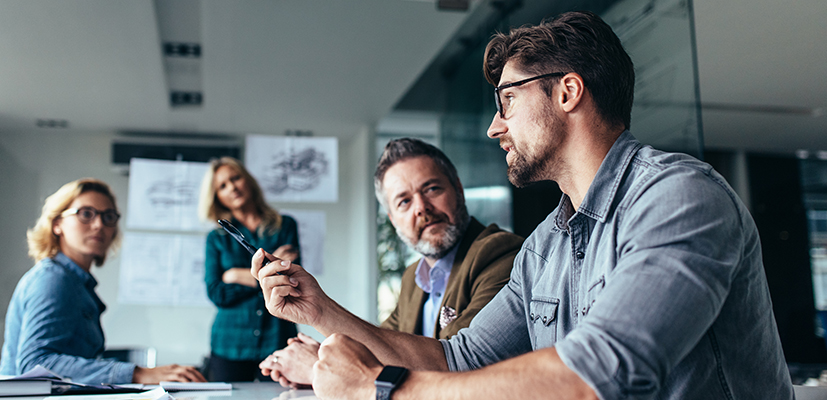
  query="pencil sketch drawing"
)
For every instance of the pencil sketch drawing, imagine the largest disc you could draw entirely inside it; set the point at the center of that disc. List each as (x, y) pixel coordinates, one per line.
(297, 171)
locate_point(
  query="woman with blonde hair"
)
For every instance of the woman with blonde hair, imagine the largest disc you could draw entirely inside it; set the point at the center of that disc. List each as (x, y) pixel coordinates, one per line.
(53, 319)
(244, 332)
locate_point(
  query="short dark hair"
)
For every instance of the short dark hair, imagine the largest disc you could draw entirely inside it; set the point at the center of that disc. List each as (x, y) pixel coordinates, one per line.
(580, 42)
(406, 148)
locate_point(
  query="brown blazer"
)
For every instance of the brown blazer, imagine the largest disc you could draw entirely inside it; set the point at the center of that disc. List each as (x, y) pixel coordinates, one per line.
(481, 268)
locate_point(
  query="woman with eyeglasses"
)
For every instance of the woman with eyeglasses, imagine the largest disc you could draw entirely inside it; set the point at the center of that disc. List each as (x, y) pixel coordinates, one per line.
(244, 332)
(53, 318)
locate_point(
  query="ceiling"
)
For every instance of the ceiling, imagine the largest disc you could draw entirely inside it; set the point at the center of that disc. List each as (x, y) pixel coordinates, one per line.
(328, 66)
(336, 67)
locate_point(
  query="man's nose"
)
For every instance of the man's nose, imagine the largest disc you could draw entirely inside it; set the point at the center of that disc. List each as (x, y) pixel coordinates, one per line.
(497, 127)
(422, 205)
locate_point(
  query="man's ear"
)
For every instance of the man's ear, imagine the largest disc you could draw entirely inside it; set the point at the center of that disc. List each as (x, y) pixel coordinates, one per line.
(572, 90)
(391, 218)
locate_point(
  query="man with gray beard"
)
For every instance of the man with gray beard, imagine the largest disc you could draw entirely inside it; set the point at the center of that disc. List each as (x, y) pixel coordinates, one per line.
(463, 265)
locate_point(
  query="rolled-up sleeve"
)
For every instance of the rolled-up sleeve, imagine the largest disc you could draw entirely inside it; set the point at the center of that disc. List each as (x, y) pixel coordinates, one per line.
(676, 263)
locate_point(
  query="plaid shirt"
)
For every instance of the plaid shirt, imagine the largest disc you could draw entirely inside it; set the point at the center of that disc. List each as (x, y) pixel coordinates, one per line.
(243, 329)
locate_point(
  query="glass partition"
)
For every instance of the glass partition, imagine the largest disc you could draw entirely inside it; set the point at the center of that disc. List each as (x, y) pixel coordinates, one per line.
(659, 36)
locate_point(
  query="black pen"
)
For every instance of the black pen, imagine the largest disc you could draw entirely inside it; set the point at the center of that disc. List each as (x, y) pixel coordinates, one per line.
(239, 237)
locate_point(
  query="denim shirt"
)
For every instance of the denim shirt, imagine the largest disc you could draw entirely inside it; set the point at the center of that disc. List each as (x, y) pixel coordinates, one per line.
(653, 289)
(54, 320)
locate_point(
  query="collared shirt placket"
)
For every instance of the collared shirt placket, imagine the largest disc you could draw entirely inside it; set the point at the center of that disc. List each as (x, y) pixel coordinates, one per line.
(578, 236)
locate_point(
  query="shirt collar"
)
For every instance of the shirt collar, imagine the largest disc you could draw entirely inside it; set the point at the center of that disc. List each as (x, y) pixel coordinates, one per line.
(423, 273)
(604, 186)
(85, 277)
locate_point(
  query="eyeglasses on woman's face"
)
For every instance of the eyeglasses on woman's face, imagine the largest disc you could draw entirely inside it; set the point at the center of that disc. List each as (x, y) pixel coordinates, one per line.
(87, 214)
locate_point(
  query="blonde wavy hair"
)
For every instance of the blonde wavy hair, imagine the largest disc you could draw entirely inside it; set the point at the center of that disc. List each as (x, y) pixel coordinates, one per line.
(210, 208)
(43, 243)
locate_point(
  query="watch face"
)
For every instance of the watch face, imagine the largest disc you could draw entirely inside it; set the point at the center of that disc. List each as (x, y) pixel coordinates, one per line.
(391, 375)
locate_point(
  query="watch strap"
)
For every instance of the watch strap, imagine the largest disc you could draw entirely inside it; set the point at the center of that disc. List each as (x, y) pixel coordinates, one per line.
(383, 392)
(388, 380)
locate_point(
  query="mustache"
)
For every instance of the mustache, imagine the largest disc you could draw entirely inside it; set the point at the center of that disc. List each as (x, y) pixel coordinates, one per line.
(426, 219)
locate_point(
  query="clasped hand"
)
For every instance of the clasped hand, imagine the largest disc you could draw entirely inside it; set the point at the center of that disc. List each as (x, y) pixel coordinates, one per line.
(292, 366)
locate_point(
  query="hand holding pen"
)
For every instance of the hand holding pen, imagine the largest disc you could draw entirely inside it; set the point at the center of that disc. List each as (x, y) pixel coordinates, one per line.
(280, 282)
(290, 292)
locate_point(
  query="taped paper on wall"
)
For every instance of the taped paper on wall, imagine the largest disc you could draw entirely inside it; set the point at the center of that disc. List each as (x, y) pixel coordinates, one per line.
(163, 195)
(312, 230)
(163, 269)
(294, 169)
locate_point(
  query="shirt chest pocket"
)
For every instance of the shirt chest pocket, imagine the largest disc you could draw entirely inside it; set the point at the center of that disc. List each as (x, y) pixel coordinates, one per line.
(542, 322)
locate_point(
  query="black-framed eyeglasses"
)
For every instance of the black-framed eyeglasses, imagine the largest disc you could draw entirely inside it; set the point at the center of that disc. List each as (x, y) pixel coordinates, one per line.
(499, 102)
(86, 215)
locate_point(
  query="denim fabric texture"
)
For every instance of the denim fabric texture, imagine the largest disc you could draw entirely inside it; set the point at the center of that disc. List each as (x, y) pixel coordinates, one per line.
(653, 289)
(54, 320)
(243, 329)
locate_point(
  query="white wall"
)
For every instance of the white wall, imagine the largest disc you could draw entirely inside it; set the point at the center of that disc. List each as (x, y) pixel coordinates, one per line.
(34, 164)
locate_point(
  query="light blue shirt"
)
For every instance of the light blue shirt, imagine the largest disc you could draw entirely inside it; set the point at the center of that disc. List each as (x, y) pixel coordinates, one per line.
(54, 320)
(654, 289)
(433, 281)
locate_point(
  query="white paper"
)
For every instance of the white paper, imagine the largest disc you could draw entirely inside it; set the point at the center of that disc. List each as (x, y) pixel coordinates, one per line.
(294, 169)
(163, 195)
(154, 394)
(39, 371)
(312, 231)
(163, 269)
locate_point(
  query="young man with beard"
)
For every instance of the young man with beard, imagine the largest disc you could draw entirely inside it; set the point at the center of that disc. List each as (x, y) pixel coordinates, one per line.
(645, 282)
(463, 265)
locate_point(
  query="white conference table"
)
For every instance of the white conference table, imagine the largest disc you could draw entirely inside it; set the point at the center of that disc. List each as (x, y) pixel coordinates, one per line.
(274, 391)
(248, 391)
(810, 392)
(241, 391)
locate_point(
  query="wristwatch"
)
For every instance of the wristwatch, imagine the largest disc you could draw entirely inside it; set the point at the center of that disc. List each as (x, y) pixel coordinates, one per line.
(388, 380)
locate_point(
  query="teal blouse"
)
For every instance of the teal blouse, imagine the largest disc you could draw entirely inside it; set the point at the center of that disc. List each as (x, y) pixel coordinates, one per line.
(243, 329)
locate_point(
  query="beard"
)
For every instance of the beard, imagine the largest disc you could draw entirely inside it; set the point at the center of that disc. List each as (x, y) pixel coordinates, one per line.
(441, 245)
(529, 168)
(524, 170)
